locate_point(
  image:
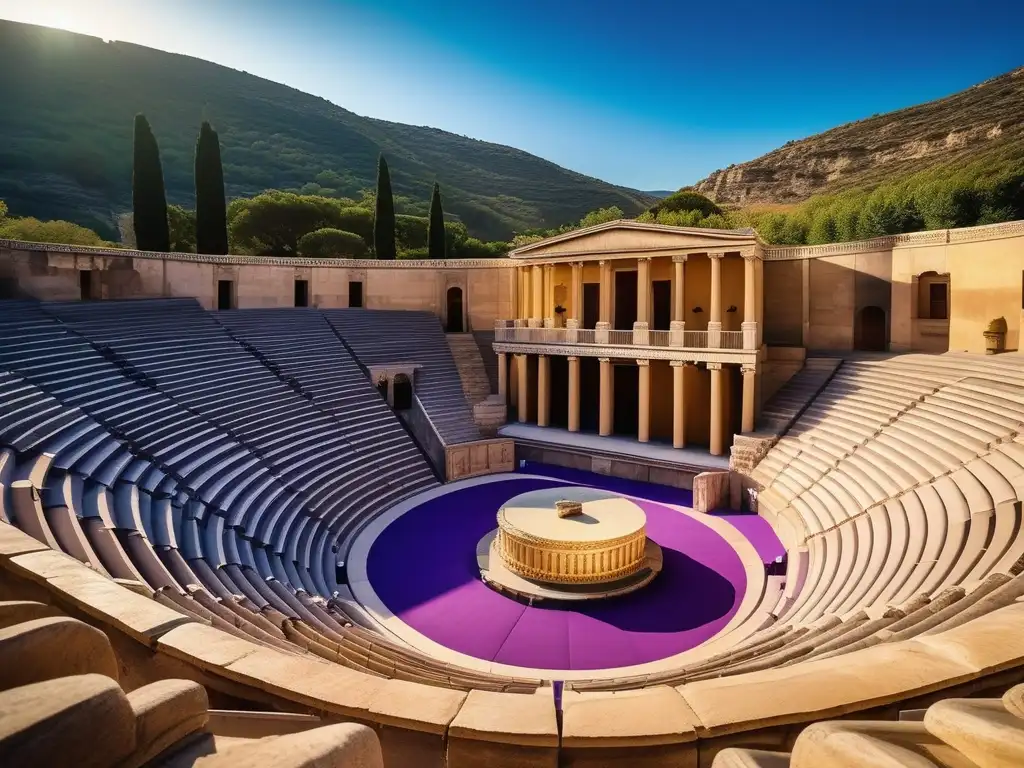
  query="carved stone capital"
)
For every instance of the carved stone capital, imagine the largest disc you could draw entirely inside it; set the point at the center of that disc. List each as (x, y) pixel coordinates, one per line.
(679, 258)
(604, 360)
(716, 255)
(714, 366)
(748, 369)
(643, 363)
(749, 254)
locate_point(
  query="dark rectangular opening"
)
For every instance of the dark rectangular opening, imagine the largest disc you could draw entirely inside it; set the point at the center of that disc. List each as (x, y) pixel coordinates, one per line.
(225, 294)
(355, 294)
(85, 284)
(301, 293)
(590, 393)
(627, 396)
(559, 386)
(591, 304)
(625, 300)
(661, 317)
(937, 301)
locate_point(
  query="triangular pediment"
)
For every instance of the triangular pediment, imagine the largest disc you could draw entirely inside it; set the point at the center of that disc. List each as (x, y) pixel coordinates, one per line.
(626, 237)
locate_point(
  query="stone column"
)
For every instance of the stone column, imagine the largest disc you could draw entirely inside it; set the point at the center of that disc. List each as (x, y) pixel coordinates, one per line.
(606, 292)
(749, 300)
(606, 422)
(749, 397)
(643, 291)
(543, 390)
(716, 409)
(577, 291)
(502, 374)
(549, 294)
(524, 391)
(643, 432)
(679, 288)
(536, 293)
(715, 322)
(678, 404)
(574, 394)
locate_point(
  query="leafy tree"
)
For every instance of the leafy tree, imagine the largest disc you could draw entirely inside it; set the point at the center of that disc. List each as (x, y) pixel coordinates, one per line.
(384, 214)
(436, 244)
(211, 225)
(149, 202)
(332, 243)
(410, 231)
(182, 223)
(686, 200)
(273, 222)
(601, 215)
(3, 210)
(356, 219)
(36, 231)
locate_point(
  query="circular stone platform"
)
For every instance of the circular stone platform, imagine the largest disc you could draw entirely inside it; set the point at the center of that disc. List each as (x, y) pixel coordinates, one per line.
(571, 541)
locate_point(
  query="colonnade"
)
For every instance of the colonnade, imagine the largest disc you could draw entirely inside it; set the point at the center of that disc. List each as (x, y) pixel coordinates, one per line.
(606, 414)
(536, 291)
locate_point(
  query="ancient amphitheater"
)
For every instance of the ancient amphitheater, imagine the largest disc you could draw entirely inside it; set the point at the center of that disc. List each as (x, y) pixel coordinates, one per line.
(245, 505)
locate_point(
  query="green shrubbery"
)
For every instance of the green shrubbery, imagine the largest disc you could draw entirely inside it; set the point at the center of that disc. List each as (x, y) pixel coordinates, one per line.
(36, 231)
(329, 243)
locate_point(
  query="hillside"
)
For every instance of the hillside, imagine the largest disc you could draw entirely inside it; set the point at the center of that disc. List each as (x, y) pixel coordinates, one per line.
(68, 101)
(986, 119)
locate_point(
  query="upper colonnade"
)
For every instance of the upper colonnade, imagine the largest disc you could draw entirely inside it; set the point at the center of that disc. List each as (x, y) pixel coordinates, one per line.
(656, 253)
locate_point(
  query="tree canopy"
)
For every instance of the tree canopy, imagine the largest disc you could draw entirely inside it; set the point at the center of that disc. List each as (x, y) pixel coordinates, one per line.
(211, 206)
(149, 201)
(437, 246)
(332, 243)
(384, 214)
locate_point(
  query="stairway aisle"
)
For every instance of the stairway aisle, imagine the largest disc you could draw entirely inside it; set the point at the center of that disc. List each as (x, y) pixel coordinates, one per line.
(476, 384)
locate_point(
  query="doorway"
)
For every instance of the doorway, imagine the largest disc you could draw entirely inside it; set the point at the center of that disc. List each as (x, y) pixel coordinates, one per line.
(590, 393)
(225, 294)
(85, 284)
(591, 304)
(870, 330)
(454, 311)
(355, 294)
(402, 393)
(661, 295)
(301, 293)
(625, 300)
(627, 395)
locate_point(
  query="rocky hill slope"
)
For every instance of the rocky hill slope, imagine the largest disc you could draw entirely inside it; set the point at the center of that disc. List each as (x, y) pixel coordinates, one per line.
(959, 128)
(66, 107)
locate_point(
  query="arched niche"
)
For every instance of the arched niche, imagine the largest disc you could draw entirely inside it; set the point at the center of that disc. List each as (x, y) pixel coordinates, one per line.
(454, 310)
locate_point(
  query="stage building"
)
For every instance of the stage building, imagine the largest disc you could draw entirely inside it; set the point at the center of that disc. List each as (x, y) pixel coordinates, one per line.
(641, 331)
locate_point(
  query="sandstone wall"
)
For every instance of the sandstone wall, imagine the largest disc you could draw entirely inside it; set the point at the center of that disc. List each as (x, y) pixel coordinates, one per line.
(54, 273)
(815, 296)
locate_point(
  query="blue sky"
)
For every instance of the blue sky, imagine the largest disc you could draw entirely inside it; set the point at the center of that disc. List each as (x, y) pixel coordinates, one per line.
(652, 94)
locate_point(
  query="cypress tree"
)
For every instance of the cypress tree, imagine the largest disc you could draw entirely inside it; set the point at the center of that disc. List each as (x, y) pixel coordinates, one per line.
(211, 207)
(435, 229)
(384, 215)
(149, 201)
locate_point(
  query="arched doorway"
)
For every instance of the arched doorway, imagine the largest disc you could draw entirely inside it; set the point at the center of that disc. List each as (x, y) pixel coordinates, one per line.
(870, 331)
(402, 392)
(455, 311)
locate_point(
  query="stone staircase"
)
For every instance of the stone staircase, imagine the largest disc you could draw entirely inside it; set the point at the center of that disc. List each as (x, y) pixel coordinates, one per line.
(789, 401)
(489, 410)
(476, 385)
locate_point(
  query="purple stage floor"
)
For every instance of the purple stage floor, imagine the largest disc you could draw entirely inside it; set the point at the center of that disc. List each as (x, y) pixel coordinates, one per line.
(423, 567)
